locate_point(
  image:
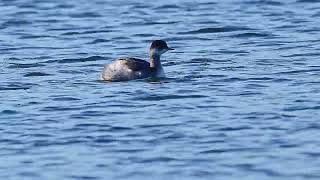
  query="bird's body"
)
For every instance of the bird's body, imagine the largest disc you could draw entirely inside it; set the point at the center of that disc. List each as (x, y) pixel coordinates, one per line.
(125, 69)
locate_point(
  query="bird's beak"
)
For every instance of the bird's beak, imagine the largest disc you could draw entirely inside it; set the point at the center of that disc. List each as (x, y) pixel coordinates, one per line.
(170, 49)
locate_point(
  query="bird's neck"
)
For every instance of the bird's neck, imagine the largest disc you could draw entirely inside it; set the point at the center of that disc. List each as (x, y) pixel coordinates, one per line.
(155, 61)
(155, 65)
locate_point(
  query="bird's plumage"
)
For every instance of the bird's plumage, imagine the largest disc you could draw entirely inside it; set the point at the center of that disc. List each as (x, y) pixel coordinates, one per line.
(124, 69)
(135, 64)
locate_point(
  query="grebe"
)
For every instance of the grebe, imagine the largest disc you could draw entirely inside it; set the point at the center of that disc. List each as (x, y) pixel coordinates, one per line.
(125, 69)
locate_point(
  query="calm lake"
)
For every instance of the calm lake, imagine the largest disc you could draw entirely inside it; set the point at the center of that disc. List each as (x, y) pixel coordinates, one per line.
(241, 99)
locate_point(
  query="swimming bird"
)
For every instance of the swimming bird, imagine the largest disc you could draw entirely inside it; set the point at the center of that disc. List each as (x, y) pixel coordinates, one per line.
(125, 69)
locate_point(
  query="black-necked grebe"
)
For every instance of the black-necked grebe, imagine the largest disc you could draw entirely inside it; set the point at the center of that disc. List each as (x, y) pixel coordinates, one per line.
(124, 69)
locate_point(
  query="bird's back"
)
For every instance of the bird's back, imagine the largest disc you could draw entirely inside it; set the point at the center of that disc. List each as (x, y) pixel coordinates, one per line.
(124, 69)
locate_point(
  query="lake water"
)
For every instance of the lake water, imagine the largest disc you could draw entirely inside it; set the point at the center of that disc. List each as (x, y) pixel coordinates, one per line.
(241, 99)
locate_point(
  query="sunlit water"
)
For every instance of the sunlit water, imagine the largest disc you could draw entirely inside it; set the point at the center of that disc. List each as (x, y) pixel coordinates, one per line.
(241, 101)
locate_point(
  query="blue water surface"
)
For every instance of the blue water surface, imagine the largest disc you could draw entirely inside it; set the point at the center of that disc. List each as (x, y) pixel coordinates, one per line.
(241, 99)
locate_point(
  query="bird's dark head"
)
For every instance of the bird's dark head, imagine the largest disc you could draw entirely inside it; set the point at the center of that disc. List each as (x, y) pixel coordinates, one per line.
(159, 47)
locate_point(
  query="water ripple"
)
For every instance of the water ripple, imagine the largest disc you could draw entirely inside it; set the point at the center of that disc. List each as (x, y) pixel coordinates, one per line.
(216, 30)
(240, 99)
(31, 74)
(77, 60)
